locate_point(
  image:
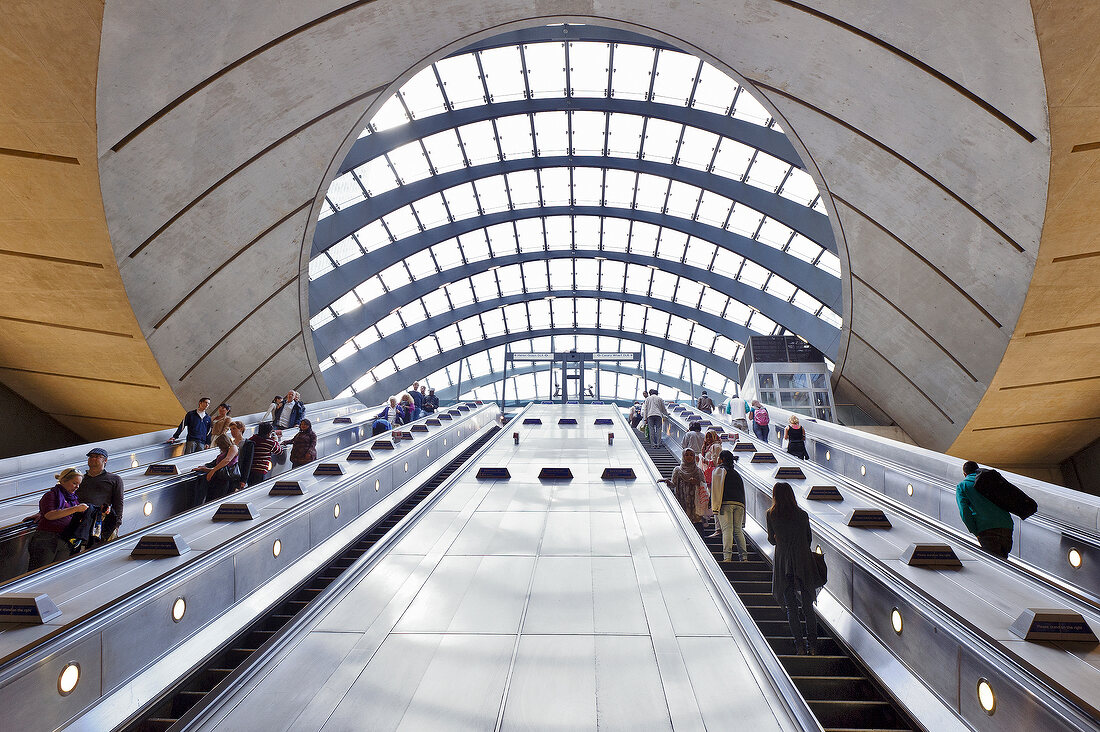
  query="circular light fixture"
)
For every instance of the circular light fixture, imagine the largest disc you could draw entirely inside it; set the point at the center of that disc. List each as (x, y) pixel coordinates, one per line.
(828, 455)
(68, 678)
(863, 470)
(377, 484)
(895, 620)
(179, 608)
(336, 511)
(133, 462)
(147, 508)
(406, 467)
(337, 441)
(909, 489)
(427, 453)
(1075, 558)
(986, 697)
(444, 442)
(277, 548)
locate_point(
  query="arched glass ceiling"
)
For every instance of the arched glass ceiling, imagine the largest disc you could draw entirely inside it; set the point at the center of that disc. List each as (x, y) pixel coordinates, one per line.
(635, 177)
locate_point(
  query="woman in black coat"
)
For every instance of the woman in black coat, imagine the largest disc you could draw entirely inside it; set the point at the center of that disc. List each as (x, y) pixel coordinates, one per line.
(795, 577)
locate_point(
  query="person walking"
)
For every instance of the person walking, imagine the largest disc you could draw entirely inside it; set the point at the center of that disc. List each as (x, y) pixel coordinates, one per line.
(795, 435)
(727, 499)
(795, 576)
(686, 483)
(760, 420)
(654, 411)
(197, 424)
(101, 488)
(693, 439)
(990, 523)
(705, 403)
(265, 445)
(304, 446)
(56, 509)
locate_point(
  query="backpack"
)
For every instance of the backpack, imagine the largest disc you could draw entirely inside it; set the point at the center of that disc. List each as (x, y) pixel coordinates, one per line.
(998, 491)
(760, 416)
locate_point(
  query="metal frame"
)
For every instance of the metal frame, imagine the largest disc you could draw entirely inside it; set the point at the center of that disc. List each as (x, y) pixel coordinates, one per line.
(330, 336)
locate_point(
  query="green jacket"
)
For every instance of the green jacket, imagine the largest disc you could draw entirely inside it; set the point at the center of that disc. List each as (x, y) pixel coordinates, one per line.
(977, 511)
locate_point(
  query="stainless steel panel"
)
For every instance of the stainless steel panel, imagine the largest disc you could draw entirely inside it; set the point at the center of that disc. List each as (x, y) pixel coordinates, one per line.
(690, 604)
(516, 533)
(471, 595)
(661, 535)
(256, 563)
(323, 522)
(728, 695)
(33, 699)
(516, 495)
(554, 678)
(131, 643)
(369, 597)
(630, 695)
(428, 530)
(576, 533)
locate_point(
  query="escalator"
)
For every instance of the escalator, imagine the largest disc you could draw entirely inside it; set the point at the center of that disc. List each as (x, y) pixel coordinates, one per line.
(839, 691)
(168, 709)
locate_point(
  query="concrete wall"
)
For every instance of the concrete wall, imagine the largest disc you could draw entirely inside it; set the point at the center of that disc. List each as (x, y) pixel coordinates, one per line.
(25, 428)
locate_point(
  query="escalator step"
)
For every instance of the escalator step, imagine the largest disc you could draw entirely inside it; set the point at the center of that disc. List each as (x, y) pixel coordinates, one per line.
(784, 646)
(825, 688)
(157, 724)
(854, 713)
(184, 700)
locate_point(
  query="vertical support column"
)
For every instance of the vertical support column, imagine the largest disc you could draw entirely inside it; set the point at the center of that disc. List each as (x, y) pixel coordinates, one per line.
(504, 378)
(458, 390)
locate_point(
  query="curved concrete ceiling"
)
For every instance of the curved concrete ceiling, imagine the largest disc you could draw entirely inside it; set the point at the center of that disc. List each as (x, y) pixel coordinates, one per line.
(219, 128)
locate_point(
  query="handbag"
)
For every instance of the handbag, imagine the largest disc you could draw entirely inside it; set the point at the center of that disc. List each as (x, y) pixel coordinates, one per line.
(822, 568)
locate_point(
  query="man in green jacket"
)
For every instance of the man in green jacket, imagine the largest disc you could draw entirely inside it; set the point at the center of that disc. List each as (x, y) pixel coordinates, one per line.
(983, 518)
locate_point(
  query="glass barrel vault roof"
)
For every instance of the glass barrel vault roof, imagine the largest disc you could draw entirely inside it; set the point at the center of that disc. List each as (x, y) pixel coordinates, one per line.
(609, 193)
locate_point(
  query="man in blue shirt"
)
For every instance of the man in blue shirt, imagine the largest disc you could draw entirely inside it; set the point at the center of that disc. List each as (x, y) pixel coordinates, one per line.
(418, 400)
(983, 518)
(197, 424)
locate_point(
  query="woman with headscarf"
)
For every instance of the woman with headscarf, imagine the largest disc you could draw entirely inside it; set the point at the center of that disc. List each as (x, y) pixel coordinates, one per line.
(687, 484)
(795, 577)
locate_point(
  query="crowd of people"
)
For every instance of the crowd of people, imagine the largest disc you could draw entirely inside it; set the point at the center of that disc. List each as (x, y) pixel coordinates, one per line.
(85, 508)
(419, 401)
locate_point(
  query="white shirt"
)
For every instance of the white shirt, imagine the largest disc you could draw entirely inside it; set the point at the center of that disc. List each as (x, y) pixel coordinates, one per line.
(654, 406)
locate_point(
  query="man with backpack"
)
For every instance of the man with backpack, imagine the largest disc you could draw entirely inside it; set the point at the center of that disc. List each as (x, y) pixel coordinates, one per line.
(986, 503)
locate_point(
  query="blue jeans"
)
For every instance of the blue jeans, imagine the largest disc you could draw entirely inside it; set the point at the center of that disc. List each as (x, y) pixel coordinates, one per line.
(760, 430)
(654, 430)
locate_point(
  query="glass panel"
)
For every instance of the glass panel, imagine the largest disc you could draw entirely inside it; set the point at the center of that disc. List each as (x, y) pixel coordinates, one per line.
(793, 381)
(551, 133)
(588, 186)
(534, 276)
(661, 138)
(514, 133)
(559, 232)
(624, 136)
(818, 381)
(821, 398)
(588, 133)
(421, 94)
(409, 162)
(377, 176)
(444, 151)
(556, 189)
(461, 81)
(715, 90)
(633, 67)
(794, 398)
(586, 232)
(401, 222)
(524, 189)
(431, 211)
(545, 69)
(479, 142)
(765, 381)
(616, 232)
(588, 64)
(503, 73)
(732, 159)
(391, 114)
(619, 188)
(675, 77)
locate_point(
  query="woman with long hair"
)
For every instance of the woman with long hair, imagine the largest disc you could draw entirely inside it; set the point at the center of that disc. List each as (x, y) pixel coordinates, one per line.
(727, 500)
(795, 578)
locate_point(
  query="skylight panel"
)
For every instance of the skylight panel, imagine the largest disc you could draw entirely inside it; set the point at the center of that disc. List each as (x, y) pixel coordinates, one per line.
(774, 234)
(436, 303)
(588, 62)
(503, 73)
(751, 110)
(447, 254)
(493, 322)
(534, 276)
(819, 206)
(697, 148)
(401, 222)
(588, 186)
(561, 275)
(470, 330)
(389, 325)
(409, 162)
(460, 293)
(377, 176)
(780, 288)
(321, 318)
(320, 266)
(556, 188)
(384, 369)
(421, 94)
(800, 187)
(661, 138)
(514, 133)
(663, 284)
(551, 133)
(633, 67)
(326, 210)
(343, 352)
(421, 264)
(753, 275)
(805, 302)
(803, 248)
(619, 188)
(373, 236)
(683, 199)
(413, 313)
(390, 115)
(345, 191)
(479, 142)
(586, 232)
(448, 338)
(539, 311)
(327, 364)
(643, 238)
(492, 193)
(672, 244)
(426, 348)
(829, 263)
(485, 286)
(687, 292)
(346, 303)
(559, 232)
(523, 186)
(616, 232)
(651, 192)
(475, 246)
(737, 312)
(510, 279)
(587, 273)
(679, 328)
(624, 135)
(431, 211)
(444, 151)
(529, 233)
(744, 220)
(767, 172)
(515, 316)
(345, 251)
(586, 314)
(633, 316)
(713, 380)
(656, 323)
(478, 362)
(461, 201)
(675, 77)
(502, 239)
(713, 209)
(831, 318)
(461, 81)
(733, 159)
(713, 302)
(545, 69)
(761, 324)
(726, 262)
(715, 90)
(370, 289)
(588, 133)
(611, 313)
(562, 308)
